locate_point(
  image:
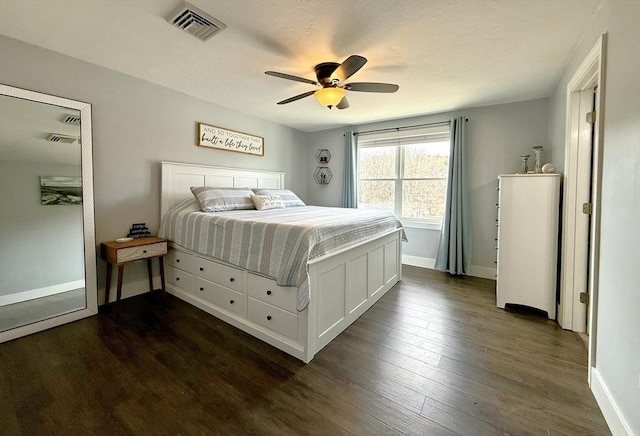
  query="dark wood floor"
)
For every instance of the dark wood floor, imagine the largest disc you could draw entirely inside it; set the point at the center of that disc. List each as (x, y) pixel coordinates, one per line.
(434, 356)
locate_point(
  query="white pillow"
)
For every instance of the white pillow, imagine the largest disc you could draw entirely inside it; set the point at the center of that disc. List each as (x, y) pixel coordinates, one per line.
(212, 199)
(288, 198)
(266, 202)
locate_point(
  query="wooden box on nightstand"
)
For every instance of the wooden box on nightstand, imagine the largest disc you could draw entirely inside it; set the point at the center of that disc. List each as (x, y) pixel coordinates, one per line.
(122, 253)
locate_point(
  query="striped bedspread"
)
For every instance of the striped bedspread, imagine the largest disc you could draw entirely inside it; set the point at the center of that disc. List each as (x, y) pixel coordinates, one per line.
(276, 243)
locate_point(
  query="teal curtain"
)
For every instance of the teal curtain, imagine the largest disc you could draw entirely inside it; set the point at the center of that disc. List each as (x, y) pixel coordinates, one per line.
(454, 249)
(350, 187)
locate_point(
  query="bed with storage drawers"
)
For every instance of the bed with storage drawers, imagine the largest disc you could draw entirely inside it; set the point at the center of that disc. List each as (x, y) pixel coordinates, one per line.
(257, 286)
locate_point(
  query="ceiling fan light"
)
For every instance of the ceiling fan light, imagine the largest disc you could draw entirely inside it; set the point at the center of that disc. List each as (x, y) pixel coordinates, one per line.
(329, 96)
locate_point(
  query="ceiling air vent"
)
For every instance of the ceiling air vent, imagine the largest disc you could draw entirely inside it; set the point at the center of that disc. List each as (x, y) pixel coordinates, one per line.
(195, 22)
(71, 119)
(66, 139)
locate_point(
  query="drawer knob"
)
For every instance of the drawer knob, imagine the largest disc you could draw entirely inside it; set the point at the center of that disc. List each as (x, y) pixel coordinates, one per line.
(268, 317)
(268, 292)
(202, 289)
(177, 260)
(144, 251)
(201, 269)
(231, 279)
(230, 301)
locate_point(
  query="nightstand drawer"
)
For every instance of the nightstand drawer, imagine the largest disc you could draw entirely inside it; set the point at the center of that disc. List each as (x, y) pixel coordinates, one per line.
(220, 296)
(266, 290)
(181, 260)
(221, 274)
(180, 279)
(273, 318)
(141, 252)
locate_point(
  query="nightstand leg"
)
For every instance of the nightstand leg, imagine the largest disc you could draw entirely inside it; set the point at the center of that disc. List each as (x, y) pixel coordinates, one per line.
(161, 260)
(108, 284)
(120, 274)
(150, 272)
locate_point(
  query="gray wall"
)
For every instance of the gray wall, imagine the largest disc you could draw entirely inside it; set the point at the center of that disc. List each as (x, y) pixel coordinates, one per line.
(136, 125)
(617, 353)
(41, 245)
(496, 137)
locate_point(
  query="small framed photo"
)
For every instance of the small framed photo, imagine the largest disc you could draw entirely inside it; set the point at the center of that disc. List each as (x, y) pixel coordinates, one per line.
(60, 190)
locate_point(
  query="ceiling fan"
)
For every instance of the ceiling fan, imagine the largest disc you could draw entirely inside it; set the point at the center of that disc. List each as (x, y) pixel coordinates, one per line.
(330, 77)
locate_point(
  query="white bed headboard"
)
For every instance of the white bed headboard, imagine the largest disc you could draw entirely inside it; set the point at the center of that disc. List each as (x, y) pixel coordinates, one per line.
(177, 178)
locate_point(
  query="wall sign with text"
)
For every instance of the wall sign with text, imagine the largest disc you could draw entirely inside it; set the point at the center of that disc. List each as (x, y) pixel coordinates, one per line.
(230, 140)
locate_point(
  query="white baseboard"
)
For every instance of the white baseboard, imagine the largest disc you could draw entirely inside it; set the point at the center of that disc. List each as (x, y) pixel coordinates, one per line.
(422, 262)
(32, 294)
(426, 262)
(615, 420)
(483, 272)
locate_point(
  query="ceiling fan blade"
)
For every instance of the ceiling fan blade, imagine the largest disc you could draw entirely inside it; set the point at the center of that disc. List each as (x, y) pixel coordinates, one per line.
(371, 87)
(290, 77)
(344, 103)
(349, 67)
(297, 97)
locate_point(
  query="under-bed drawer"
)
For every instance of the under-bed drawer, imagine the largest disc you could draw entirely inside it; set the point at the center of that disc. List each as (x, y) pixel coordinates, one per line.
(180, 259)
(220, 296)
(266, 290)
(221, 274)
(274, 318)
(179, 278)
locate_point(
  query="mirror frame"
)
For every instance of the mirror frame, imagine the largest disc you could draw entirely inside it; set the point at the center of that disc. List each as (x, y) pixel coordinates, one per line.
(91, 282)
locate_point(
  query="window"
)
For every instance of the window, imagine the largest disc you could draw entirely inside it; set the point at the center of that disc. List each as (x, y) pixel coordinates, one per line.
(405, 174)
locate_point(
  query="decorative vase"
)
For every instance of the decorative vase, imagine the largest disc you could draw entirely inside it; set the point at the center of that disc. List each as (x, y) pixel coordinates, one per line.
(538, 151)
(525, 167)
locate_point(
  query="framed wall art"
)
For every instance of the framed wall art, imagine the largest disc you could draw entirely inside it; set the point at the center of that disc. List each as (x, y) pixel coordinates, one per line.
(60, 190)
(230, 140)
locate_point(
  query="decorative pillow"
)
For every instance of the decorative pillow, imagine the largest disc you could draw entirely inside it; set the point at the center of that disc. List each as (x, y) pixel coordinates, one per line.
(288, 198)
(212, 199)
(265, 202)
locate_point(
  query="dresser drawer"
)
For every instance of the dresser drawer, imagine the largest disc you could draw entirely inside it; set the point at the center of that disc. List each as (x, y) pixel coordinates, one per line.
(179, 278)
(273, 318)
(221, 274)
(180, 259)
(141, 252)
(266, 290)
(220, 296)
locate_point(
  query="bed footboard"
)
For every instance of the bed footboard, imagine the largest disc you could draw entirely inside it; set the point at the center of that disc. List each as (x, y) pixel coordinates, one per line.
(343, 287)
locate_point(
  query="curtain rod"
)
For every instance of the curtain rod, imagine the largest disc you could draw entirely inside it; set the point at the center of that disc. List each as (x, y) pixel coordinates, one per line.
(397, 129)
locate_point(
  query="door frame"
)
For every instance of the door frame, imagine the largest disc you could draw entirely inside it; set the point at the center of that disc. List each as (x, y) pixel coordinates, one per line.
(571, 313)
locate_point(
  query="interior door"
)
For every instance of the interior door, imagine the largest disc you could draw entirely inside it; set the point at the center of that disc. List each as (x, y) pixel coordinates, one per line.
(584, 163)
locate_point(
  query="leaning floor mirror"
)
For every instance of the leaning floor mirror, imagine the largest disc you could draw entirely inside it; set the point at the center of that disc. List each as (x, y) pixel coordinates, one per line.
(47, 238)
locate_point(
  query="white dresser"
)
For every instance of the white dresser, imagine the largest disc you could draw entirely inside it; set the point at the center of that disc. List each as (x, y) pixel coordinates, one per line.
(527, 242)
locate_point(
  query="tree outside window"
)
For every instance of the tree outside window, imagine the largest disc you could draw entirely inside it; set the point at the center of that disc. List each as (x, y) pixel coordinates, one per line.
(405, 176)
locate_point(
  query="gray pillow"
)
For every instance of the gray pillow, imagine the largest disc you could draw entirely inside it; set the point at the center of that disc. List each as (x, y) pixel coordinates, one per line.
(288, 198)
(212, 199)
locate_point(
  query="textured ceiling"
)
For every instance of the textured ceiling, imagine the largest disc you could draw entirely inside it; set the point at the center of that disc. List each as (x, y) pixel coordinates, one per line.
(443, 54)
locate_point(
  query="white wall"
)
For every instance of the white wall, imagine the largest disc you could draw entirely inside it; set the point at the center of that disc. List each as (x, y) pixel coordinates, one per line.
(136, 125)
(617, 353)
(496, 137)
(41, 245)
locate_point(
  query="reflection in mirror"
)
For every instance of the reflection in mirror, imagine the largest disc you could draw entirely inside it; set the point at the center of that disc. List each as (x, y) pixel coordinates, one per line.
(45, 277)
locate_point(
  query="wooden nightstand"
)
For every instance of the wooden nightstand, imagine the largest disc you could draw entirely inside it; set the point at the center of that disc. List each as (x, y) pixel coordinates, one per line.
(120, 254)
